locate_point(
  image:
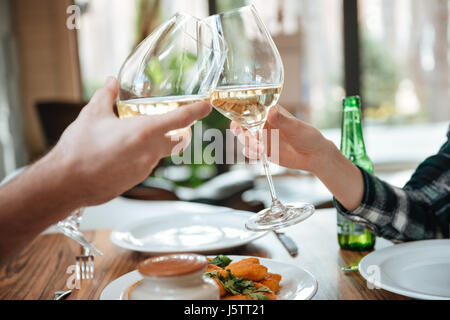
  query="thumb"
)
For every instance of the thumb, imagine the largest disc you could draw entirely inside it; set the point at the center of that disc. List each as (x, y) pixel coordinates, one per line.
(104, 97)
(282, 119)
(300, 135)
(176, 119)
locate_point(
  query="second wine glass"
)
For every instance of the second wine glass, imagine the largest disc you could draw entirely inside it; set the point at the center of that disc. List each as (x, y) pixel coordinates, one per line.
(177, 65)
(249, 85)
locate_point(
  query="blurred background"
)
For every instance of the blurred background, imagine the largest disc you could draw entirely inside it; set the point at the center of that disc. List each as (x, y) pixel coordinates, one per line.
(395, 54)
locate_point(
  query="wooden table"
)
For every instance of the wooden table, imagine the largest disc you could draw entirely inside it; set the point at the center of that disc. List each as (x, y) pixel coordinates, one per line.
(40, 269)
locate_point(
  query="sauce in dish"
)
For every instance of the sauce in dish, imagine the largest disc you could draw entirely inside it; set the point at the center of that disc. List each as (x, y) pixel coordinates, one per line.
(174, 277)
(172, 265)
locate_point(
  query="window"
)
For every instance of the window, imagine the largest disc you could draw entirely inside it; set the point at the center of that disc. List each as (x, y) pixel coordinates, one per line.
(106, 37)
(110, 29)
(308, 35)
(405, 56)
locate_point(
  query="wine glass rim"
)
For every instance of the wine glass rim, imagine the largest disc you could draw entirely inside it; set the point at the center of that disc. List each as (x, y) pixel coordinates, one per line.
(218, 46)
(250, 7)
(223, 48)
(216, 17)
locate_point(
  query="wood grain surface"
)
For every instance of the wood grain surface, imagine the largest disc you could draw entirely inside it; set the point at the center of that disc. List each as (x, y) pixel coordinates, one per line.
(41, 268)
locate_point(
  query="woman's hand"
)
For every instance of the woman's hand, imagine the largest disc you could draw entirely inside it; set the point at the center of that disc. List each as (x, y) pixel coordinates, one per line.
(299, 145)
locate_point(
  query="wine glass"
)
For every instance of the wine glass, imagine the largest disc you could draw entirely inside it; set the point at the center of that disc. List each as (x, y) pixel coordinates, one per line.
(178, 64)
(70, 227)
(249, 85)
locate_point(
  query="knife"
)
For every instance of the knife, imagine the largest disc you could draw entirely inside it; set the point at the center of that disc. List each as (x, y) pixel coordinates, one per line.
(61, 294)
(288, 243)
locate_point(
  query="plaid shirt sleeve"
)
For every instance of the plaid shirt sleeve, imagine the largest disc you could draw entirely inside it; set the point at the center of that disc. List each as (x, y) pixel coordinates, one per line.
(420, 210)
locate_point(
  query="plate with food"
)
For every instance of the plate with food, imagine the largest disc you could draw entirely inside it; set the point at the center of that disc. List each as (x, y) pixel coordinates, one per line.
(185, 232)
(238, 278)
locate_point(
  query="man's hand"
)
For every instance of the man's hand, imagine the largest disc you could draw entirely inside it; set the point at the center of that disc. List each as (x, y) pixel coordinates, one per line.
(104, 156)
(97, 158)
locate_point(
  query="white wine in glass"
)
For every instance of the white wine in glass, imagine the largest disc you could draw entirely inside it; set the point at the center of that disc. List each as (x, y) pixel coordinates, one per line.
(248, 105)
(155, 106)
(249, 85)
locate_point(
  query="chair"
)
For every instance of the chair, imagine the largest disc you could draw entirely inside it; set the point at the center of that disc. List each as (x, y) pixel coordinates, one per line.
(55, 117)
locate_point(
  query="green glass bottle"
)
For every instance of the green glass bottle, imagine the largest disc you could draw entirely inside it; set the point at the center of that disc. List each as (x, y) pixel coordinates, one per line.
(352, 236)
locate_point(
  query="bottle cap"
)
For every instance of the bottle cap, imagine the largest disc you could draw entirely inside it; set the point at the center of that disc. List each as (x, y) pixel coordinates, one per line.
(352, 101)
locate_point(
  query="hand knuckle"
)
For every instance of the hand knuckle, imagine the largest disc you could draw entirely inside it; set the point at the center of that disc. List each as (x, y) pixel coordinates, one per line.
(186, 117)
(139, 137)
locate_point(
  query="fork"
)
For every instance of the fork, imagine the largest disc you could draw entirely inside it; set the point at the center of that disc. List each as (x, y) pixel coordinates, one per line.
(85, 265)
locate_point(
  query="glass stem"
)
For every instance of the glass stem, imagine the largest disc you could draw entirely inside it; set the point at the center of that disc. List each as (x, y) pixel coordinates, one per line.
(277, 206)
(265, 164)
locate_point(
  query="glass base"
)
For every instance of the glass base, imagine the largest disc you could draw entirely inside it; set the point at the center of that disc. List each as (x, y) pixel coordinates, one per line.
(293, 213)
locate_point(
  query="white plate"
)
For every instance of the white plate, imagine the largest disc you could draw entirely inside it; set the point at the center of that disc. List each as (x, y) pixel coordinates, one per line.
(201, 232)
(296, 283)
(419, 269)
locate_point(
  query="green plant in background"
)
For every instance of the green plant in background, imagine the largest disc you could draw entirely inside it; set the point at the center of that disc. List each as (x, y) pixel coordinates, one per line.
(331, 117)
(183, 62)
(154, 71)
(200, 173)
(381, 75)
(230, 4)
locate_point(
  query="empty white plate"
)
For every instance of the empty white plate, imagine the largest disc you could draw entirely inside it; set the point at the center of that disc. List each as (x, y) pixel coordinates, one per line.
(419, 269)
(296, 283)
(177, 231)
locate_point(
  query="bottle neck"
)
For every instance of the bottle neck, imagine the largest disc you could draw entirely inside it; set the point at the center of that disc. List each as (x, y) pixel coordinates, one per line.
(352, 141)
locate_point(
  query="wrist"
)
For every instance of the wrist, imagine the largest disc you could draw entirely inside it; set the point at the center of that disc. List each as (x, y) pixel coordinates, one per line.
(31, 202)
(341, 177)
(41, 193)
(323, 161)
(62, 179)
